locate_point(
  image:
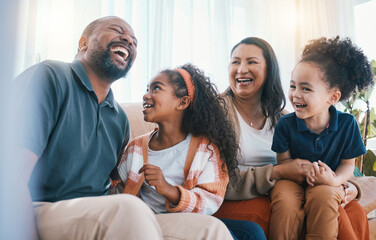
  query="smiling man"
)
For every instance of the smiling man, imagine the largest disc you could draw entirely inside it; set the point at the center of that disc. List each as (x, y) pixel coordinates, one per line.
(70, 133)
(109, 49)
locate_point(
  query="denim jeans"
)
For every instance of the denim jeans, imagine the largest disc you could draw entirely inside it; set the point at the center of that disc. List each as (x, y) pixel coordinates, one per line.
(244, 230)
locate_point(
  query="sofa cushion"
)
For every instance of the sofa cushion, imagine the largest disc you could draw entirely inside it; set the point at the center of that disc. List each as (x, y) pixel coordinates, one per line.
(368, 187)
(136, 119)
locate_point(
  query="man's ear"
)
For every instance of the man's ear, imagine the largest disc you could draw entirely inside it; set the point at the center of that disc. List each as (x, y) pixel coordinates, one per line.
(82, 43)
(184, 103)
(335, 96)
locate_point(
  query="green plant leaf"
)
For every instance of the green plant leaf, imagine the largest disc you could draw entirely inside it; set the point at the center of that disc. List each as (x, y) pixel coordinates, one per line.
(372, 117)
(372, 124)
(369, 164)
(373, 66)
(371, 132)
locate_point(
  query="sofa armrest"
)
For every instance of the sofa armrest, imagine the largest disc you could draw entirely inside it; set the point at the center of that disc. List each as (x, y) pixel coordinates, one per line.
(367, 186)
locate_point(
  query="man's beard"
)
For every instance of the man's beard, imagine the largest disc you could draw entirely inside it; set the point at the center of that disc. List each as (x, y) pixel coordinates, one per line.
(102, 58)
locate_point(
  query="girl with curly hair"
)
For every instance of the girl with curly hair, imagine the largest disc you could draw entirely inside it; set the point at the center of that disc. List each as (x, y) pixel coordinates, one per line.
(329, 71)
(185, 164)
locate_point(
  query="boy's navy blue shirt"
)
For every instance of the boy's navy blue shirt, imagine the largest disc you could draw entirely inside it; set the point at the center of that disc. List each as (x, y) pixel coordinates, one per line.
(341, 140)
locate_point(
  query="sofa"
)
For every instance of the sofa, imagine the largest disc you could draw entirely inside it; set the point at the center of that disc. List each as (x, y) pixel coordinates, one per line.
(367, 184)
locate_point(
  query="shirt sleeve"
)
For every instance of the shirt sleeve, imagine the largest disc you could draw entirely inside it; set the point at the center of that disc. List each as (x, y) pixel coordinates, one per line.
(355, 146)
(280, 138)
(130, 162)
(254, 183)
(36, 107)
(126, 160)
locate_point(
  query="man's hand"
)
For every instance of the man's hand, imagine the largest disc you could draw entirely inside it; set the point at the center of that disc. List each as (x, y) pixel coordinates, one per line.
(154, 177)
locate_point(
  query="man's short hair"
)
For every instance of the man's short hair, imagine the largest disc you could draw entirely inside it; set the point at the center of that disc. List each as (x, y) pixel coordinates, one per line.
(91, 27)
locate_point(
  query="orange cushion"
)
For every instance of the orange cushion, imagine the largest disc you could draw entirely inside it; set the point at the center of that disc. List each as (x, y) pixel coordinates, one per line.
(352, 220)
(256, 210)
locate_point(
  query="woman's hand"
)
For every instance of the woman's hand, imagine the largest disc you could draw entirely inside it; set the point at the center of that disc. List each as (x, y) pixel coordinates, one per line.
(310, 173)
(294, 170)
(154, 177)
(351, 192)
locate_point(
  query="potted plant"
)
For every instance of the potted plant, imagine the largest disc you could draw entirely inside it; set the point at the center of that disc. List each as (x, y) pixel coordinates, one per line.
(358, 105)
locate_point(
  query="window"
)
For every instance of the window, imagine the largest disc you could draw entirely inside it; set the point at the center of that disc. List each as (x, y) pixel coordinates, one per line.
(365, 34)
(365, 25)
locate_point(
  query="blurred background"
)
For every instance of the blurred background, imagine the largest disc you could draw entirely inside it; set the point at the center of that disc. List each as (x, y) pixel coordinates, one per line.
(170, 33)
(173, 32)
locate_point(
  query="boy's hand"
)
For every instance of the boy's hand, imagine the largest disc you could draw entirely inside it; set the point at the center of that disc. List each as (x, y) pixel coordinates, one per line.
(322, 174)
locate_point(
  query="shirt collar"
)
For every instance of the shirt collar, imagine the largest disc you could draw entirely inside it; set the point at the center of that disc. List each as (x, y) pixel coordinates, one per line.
(79, 69)
(333, 123)
(111, 100)
(301, 124)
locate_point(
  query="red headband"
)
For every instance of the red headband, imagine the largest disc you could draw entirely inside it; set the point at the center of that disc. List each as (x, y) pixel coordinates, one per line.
(188, 82)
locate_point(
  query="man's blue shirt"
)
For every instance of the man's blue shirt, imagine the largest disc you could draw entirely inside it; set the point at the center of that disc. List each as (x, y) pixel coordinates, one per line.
(341, 140)
(76, 139)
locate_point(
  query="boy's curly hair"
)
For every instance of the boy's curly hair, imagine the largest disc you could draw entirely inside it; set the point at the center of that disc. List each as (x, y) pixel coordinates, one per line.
(343, 64)
(207, 117)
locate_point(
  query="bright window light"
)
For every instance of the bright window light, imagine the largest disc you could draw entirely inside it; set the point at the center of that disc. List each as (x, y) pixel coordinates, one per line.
(365, 26)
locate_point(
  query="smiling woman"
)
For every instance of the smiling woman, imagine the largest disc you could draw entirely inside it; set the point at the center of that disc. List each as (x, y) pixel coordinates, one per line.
(247, 71)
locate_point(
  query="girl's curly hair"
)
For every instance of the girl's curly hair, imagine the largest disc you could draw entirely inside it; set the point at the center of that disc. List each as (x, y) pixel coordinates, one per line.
(343, 64)
(207, 116)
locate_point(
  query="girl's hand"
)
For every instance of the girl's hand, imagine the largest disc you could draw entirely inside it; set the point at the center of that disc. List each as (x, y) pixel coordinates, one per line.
(323, 174)
(154, 177)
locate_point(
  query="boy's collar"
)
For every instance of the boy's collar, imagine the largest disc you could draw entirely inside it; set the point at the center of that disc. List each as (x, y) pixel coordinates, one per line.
(333, 122)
